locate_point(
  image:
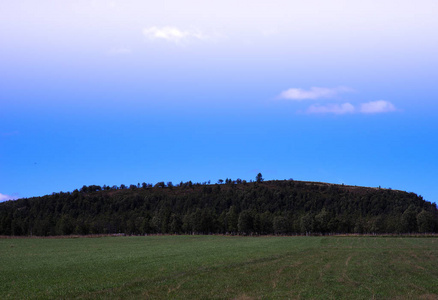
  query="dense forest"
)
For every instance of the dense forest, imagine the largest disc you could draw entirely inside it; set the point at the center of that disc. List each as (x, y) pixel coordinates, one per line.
(261, 207)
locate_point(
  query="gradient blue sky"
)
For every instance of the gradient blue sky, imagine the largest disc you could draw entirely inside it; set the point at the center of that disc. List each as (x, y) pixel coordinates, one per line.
(112, 92)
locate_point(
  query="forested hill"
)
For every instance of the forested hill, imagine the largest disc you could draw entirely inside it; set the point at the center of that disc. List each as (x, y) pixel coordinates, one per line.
(233, 207)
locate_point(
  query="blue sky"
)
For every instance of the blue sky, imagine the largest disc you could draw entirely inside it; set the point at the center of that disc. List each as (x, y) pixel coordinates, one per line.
(112, 92)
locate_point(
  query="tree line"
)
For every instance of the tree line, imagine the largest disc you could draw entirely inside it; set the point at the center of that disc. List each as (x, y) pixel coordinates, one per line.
(258, 207)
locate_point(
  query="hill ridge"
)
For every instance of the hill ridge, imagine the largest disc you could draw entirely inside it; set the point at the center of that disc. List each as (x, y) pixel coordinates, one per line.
(233, 207)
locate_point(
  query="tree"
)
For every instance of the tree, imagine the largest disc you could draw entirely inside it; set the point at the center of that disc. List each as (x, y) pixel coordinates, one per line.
(66, 225)
(175, 224)
(377, 225)
(409, 220)
(245, 223)
(259, 177)
(266, 223)
(160, 184)
(322, 220)
(425, 222)
(280, 225)
(130, 227)
(306, 223)
(232, 220)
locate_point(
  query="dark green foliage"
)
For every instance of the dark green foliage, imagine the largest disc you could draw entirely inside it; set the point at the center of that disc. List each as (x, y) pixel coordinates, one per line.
(237, 207)
(259, 177)
(425, 221)
(246, 222)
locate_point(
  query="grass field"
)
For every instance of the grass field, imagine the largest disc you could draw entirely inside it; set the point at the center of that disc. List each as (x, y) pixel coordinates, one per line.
(222, 267)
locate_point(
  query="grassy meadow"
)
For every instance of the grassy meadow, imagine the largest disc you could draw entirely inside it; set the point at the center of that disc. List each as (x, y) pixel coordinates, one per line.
(219, 267)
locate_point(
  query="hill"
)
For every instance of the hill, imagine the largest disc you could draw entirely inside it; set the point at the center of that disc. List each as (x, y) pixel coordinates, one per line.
(234, 207)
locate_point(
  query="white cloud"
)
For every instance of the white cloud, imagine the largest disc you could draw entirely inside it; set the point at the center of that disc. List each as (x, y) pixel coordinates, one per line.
(338, 109)
(372, 107)
(6, 197)
(319, 93)
(375, 107)
(172, 34)
(313, 93)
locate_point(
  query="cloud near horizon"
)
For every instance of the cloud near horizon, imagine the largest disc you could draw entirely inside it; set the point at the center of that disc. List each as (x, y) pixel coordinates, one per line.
(313, 93)
(4, 197)
(373, 107)
(320, 94)
(172, 34)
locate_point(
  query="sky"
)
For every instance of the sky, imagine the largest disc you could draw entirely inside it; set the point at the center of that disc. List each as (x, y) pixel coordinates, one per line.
(125, 92)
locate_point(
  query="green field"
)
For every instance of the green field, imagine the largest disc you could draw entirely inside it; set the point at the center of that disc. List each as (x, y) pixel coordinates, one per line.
(222, 267)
